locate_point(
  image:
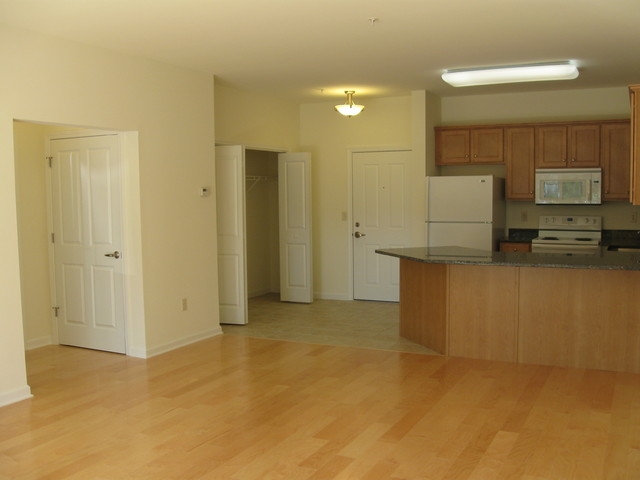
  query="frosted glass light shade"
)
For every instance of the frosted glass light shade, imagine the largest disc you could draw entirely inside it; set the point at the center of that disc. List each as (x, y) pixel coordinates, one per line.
(511, 74)
(349, 109)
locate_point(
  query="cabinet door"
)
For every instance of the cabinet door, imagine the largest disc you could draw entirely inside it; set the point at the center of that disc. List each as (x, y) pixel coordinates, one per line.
(584, 146)
(519, 158)
(551, 146)
(452, 146)
(615, 159)
(634, 97)
(515, 247)
(487, 145)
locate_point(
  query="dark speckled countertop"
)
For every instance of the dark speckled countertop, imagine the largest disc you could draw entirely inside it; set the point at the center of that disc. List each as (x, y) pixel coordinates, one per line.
(603, 260)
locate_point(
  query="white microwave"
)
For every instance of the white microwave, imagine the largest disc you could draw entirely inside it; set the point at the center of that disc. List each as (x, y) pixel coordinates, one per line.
(570, 186)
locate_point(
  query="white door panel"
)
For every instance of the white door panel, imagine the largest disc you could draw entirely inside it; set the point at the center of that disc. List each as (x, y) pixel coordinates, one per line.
(296, 261)
(87, 216)
(469, 235)
(460, 199)
(230, 203)
(380, 213)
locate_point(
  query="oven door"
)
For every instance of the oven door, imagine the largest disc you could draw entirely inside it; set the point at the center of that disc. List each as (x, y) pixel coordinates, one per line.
(564, 248)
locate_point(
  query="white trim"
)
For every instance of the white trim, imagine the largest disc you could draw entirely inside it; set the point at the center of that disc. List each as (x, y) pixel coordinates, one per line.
(39, 342)
(254, 147)
(15, 395)
(350, 152)
(183, 342)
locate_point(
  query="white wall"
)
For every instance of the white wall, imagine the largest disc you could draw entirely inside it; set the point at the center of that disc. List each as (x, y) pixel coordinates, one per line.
(54, 81)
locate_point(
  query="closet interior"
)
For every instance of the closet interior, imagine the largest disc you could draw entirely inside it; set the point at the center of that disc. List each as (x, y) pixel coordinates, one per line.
(262, 217)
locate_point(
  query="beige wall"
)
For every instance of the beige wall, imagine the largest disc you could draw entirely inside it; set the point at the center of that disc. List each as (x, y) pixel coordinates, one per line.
(171, 111)
(385, 122)
(254, 120)
(33, 234)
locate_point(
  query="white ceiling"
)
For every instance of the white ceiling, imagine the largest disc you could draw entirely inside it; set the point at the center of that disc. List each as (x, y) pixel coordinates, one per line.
(313, 50)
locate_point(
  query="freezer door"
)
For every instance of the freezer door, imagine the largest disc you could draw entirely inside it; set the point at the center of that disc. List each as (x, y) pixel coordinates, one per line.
(469, 235)
(460, 199)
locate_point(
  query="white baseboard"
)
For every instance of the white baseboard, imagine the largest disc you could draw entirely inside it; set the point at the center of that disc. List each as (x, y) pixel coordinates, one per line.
(259, 293)
(183, 342)
(15, 395)
(330, 296)
(38, 342)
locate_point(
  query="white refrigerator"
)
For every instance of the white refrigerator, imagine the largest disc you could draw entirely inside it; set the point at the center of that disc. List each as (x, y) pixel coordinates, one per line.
(465, 211)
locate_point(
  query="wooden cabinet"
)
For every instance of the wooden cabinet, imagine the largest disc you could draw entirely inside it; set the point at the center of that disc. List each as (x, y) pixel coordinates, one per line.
(615, 158)
(460, 146)
(524, 147)
(515, 247)
(634, 96)
(568, 146)
(519, 160)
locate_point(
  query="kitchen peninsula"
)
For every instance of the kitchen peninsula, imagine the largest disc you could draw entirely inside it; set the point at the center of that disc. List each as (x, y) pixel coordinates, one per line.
(551, 309)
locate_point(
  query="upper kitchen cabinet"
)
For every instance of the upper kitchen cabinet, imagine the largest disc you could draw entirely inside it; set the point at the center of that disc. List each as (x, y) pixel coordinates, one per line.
(615, 157)
(519, 147)
(463, 145)
(568, 146)
(634, 93)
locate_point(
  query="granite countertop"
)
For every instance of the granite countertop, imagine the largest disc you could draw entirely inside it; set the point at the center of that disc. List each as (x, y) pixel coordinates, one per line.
(603, 260)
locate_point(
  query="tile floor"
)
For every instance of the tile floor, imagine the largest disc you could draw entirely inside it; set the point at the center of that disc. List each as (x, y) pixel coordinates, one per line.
(327, 322)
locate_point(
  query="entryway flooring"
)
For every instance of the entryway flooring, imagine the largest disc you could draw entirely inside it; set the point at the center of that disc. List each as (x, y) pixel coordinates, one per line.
(355, 323)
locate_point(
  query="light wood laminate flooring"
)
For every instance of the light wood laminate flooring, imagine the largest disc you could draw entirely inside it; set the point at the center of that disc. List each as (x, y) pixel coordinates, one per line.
(242, 408)
(327, 322)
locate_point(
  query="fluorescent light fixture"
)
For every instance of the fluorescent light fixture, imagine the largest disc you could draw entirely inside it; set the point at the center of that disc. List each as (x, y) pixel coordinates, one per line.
(349, 109)
(511, 74)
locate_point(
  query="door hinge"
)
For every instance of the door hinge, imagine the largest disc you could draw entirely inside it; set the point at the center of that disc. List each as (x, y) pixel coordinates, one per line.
(55, 311)
(50, 161)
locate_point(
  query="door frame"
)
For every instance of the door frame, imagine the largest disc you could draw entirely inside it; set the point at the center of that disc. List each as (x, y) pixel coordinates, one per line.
(349, 236)
(134, 321)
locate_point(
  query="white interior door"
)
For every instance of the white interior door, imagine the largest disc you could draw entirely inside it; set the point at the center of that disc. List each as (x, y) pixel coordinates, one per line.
(296, 262)
(232, 254)
(87, 233)
(381, 220)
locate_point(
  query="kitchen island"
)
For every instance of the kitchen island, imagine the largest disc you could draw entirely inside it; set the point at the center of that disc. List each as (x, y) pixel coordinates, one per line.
(551, 309)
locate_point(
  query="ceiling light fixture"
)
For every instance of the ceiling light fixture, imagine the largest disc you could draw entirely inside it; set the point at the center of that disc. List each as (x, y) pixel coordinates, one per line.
(511, 74)
(349, 109)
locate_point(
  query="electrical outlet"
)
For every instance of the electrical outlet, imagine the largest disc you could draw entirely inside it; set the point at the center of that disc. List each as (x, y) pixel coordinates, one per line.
(184, 304)
(524, 215)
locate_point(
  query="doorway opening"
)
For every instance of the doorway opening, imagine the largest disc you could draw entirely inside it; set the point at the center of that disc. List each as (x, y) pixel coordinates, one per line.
(33, 197)
(262, 220)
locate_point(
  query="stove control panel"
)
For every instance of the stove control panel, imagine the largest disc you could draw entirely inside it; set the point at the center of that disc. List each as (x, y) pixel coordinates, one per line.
(570, 222)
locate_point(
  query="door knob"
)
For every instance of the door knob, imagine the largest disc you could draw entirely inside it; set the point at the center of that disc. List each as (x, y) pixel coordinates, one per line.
(358, 234)
(115, 254)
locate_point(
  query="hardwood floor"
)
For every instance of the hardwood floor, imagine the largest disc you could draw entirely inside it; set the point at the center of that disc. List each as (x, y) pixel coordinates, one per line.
(235, 407)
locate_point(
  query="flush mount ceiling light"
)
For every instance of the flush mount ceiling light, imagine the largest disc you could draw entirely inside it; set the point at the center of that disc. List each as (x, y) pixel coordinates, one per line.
(511, 74)
(349, 109)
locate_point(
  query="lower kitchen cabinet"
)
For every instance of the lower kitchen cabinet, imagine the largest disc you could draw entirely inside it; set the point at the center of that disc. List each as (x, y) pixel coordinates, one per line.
(482, 318)
(515, 246)
(568, 317)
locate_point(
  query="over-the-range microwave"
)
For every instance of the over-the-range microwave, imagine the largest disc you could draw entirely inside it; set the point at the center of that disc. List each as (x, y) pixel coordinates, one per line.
(570, 186)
